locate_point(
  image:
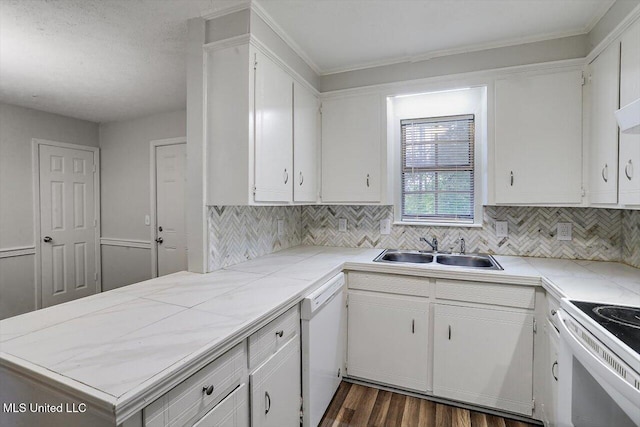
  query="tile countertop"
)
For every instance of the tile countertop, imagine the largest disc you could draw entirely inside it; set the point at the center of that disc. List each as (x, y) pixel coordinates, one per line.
(121, 349)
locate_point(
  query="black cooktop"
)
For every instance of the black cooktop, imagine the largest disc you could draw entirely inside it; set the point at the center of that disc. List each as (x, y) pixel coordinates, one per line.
(622, 321)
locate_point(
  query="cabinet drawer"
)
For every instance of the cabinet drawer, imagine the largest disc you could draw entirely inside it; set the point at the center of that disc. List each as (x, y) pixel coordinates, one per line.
(552, 308)
(389, 283)
(189, 400)
(486, 293)
(232, 411)
(273, 336)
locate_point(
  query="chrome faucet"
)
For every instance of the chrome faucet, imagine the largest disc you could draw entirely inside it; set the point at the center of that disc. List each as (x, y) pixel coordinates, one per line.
(433, 243)
(463, 246)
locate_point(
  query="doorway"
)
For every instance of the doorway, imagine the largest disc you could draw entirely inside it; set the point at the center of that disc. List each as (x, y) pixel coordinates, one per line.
(168, 200)
(67, 221)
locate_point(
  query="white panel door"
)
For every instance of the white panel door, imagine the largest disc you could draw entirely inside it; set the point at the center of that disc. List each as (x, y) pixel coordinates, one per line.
(305, 133)
(274, 132)
(171, 240)
(275, 388)
(538, 138)
(629, 173)
(67, 224)
(483, 356)
(603, 128)
(387, 339)
(351, 138)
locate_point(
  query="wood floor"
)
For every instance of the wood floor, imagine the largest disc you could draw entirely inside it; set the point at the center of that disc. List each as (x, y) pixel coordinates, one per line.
(357, 405)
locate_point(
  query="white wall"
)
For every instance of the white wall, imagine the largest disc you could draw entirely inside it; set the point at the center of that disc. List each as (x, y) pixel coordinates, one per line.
(125, 192)
(17, 128)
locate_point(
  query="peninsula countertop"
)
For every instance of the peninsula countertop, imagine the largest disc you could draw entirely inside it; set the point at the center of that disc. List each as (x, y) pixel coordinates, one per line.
(115, 347)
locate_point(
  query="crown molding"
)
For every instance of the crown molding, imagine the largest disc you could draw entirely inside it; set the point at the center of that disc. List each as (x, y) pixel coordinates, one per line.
(264, 15)
(613, 35)
(598, 16)
(207, 16)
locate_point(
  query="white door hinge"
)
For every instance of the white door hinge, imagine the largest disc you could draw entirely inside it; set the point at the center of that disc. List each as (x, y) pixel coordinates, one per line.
(583, 192)
(95, 223)
(320, 109)
(584, 81)
(533, 404)
(347, 301)
(94, 168)
(95, 277)
(535, 326)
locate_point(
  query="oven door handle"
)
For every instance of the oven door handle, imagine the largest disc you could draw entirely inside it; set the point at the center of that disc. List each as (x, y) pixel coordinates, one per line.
(609, 379)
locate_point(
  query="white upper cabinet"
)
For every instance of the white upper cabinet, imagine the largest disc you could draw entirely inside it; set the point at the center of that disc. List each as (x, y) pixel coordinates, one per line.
(603, 81)
(629, 172)
(538, 138)
(251, 130)
(351, 144)
(305, 148)
(274, 135)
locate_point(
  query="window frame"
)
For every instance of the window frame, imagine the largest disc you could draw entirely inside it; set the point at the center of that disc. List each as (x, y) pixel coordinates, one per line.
(477, 106)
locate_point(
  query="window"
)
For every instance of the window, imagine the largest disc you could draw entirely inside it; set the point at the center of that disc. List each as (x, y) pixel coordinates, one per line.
(438, 169)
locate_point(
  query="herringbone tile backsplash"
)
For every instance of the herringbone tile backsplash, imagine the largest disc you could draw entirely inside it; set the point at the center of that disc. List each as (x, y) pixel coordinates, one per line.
(240, 233)
(532, 231)
(631, 238)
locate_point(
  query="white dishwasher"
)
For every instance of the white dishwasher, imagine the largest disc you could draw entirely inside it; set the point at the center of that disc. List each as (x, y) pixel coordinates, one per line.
(323, 339)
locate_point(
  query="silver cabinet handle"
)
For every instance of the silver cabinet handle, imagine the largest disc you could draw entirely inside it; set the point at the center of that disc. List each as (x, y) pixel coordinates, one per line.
(413, 326)
(47, 239)
(553, 370)
(286, 176)
(267, 402)
(449, 332)
(207, 390)
(605, 170)
(301, 178)
(629, 167)
(367, 180)
(511, 178)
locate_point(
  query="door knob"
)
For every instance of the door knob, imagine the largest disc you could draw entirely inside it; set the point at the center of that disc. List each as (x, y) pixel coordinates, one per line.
(159, 240)
(47, 239)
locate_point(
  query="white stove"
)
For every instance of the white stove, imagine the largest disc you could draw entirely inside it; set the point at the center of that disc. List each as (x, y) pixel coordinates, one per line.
(599, 365)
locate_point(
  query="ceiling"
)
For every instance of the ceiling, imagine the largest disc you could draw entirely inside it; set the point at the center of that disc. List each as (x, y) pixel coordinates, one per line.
(342, 35)
(108, 60)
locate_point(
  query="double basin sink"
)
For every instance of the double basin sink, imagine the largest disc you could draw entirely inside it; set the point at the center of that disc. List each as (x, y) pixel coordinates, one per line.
(481, 261)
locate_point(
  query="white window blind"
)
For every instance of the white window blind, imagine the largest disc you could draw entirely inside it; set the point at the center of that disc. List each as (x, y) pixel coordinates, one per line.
(438, 169)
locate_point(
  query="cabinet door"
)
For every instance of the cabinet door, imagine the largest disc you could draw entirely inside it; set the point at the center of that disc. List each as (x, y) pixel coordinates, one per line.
(483, 356)
(603, 128)
(233, 411)
(273, 131)
(538, 138)
(387, 339)
(551, 374)
(305, 134)
(275, 389)
(351, 149)
(630, 91)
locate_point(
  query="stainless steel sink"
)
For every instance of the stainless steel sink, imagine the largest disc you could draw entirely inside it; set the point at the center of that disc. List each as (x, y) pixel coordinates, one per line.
(405, 256)
(481, 261)
(486, 262)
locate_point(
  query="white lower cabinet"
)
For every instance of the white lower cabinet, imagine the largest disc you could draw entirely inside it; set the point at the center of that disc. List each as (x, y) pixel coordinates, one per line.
(233, 411)
(387, 339)
(275, 388)
(484, 356)
(551, 374)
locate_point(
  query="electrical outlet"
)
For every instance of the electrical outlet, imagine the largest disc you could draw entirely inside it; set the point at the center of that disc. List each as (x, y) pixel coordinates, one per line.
(342, 224)
(502, 229)
(385, 226)
(280, 227)
(147, 220)
(564, 231)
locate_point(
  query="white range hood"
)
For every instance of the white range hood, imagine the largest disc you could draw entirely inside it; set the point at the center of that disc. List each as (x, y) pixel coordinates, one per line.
(629, 117)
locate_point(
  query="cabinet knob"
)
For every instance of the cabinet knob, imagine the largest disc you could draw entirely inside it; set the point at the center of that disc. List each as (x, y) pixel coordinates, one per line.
(339, 372)
(159, 240)
(280, 333)
(511, 178)
(207, 390)
(553, 312)
(367, 180)
(628, 170)
(605, 173)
